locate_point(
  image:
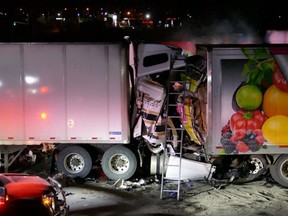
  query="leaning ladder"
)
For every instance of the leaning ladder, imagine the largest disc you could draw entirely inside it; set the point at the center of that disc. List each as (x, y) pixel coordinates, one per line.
(172, 185)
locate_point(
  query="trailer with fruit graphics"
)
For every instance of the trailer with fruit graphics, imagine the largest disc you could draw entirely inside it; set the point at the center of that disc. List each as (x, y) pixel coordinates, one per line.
(248, 109)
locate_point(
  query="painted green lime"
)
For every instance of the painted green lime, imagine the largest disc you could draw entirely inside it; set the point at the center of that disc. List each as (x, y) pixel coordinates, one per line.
(249, 97)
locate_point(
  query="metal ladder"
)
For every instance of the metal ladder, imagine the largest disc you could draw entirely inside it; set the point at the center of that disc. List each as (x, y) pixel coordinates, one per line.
(172, 185)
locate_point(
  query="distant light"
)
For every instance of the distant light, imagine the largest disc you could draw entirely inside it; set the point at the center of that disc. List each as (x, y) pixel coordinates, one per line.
(114, 18)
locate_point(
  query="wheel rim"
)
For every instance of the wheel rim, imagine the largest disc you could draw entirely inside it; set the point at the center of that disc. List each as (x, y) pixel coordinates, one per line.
(74, 163)
(119, 164)
(258, 165)
(284, 169)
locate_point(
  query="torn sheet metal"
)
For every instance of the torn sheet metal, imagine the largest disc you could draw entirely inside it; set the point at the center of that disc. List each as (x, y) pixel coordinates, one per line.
(190, 169)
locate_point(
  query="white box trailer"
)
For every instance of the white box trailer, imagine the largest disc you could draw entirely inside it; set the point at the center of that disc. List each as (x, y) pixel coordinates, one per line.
(64, 93)
(76, 96)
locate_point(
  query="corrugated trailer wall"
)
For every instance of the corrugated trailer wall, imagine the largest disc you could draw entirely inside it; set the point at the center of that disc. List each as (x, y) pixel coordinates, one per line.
(63, 93)
(11, 93)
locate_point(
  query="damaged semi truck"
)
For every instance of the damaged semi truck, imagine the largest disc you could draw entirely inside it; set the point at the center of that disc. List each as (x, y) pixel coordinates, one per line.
(109, 102)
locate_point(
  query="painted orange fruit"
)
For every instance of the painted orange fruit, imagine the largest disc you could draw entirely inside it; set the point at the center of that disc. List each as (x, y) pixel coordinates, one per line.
(275, 102)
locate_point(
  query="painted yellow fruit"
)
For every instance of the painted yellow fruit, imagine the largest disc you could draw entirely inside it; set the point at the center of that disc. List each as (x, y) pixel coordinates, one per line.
(275, 102)
(275, 130)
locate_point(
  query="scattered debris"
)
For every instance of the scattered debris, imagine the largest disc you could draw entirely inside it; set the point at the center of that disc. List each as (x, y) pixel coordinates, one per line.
(121, 184)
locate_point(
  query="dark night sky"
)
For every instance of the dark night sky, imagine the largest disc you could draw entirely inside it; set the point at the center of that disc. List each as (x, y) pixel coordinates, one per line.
(207, 15)
(199, 7)
(196, 5)
(253, 11)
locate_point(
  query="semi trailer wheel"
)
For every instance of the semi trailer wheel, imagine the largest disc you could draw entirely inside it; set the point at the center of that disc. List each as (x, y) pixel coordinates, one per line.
(259, 164)
(279, 170)
(74, 161)
(119, 162)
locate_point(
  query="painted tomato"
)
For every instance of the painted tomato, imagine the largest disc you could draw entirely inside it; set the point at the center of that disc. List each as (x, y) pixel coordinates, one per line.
(275, 102)
(278, 79)
(275, 130)
(247, 120)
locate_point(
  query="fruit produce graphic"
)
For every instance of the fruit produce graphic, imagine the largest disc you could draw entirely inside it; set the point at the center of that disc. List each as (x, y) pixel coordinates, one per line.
(260, 105)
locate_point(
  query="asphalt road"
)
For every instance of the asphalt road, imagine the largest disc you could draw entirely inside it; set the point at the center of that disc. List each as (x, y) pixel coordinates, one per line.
(98, 196)
(103, 199)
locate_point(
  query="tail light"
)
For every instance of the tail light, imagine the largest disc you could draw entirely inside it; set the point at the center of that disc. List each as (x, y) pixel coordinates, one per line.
(3, 196)
(2, 201)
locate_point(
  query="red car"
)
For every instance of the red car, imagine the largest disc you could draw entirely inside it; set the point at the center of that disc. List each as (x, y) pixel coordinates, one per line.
(23, 194)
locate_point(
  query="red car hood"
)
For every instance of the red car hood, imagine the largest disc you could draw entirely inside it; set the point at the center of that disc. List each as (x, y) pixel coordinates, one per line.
(22, 190)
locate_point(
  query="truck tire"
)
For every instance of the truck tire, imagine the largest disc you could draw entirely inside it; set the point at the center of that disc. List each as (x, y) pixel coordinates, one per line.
(279, 170)
(260, 164)
(74, 161)
(119, 162)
